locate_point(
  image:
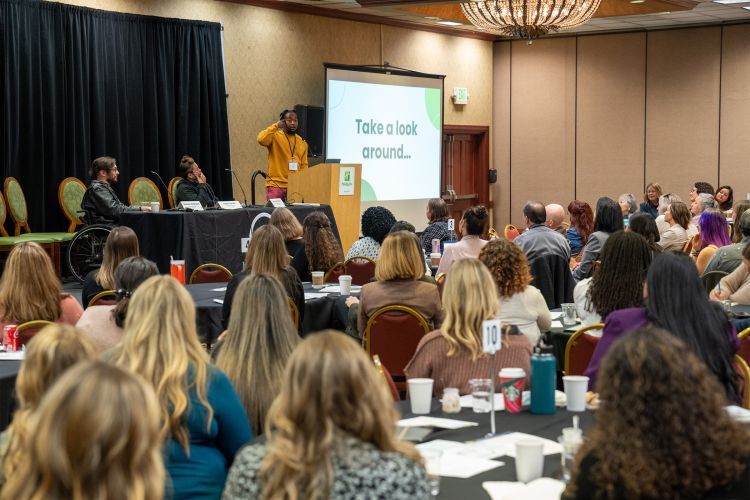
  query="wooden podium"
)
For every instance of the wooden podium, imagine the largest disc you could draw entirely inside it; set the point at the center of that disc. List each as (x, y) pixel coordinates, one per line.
(321, 184)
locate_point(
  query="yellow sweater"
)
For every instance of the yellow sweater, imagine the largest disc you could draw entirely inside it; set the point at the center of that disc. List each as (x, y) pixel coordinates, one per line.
(280, 147)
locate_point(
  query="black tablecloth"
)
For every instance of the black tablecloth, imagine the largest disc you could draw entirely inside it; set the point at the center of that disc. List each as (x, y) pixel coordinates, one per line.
(211, 236)
(8, 372)
(545, 426)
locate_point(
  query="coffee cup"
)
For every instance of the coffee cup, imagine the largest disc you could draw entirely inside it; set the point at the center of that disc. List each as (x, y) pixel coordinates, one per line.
(529, 459)
(345, 284)
(154, 206)
(575, 391)
(420, 395)
(512, 381)
(435, 259)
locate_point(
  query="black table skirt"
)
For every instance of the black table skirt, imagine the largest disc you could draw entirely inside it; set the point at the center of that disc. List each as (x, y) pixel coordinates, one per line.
(8, 372)
(211, 236)
(544, 426)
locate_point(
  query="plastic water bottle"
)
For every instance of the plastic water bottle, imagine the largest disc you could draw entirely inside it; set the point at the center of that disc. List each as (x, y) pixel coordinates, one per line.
(543, 378)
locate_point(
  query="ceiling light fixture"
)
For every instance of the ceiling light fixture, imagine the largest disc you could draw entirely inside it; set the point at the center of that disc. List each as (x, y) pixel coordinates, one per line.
(729, 2)
(529, 18)
(450, 23)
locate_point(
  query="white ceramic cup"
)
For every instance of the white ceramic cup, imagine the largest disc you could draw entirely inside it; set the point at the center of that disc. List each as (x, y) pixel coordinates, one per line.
(345, 284)
(420, 395)
(154, 206)
(529, 459)
(575, 391)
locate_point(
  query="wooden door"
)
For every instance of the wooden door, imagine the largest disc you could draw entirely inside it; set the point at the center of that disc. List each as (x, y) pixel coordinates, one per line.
(465, 168)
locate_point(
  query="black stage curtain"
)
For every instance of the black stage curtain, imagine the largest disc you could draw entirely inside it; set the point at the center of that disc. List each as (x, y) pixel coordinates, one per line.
(80, 83)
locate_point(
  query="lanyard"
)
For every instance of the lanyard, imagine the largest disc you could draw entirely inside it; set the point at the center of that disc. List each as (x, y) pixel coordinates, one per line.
(291, 148)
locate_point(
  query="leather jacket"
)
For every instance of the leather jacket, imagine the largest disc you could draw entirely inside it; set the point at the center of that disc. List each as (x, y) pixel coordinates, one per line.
(101, 204)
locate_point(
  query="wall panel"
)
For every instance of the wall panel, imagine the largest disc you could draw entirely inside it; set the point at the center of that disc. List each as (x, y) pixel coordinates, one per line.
(501, 121)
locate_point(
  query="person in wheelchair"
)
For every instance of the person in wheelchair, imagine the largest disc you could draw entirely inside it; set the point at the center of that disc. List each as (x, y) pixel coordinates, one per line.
(101, 204)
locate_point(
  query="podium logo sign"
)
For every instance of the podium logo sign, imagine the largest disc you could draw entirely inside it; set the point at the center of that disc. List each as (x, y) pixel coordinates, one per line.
(346, 181)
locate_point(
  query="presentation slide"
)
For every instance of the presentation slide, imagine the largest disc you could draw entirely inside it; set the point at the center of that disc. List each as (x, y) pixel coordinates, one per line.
(391, 124)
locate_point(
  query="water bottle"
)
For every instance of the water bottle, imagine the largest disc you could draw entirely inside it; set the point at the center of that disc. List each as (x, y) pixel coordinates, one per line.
(543, 378)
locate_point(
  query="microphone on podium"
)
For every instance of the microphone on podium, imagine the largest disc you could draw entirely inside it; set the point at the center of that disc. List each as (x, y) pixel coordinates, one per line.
(160, 180)
(244, 195)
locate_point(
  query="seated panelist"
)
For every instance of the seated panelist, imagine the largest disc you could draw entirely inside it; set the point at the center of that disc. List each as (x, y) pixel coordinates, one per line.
(101, 204)
(193, 186)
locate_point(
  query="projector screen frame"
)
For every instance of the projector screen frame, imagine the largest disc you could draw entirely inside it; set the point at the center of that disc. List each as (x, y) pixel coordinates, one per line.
(387, 70)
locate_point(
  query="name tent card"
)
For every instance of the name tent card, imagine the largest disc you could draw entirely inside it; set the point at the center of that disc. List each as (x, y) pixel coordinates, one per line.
(277, 202)
(228, 205)
(192, 205)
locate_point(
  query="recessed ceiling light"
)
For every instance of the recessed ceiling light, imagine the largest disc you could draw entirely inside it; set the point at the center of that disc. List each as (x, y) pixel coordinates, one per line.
(727, 2)
(637, 1)
(432, 18)
(450, 23)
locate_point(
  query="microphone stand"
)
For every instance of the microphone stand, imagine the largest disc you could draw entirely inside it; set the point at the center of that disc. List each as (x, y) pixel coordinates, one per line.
(160, 180)
(244, 195)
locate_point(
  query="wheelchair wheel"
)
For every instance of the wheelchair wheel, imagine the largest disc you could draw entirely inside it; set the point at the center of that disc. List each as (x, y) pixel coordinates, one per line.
(86, 250)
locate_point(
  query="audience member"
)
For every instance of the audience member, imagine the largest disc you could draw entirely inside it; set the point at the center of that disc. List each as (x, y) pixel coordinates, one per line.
(437, 227)
(700, 204)
(628, 204)
(736, 285)
(664, 202)
(96, 435)
(608, 220)
(714, 233)
(645, 225)
(50, 353)
(728, 258)
(676, 301)
(322, 249)
(30, 290)
(701, 187)
(539, 240)
(739, 208)
(398, 272)
(678, 218)
(403, 225)
(193, 186)
(581, 225)
(473, 226)
(453, 355)
(521, 304)
(201, 415)
(619, 281)
(651, 197)
(100, 202)
(258, 343)
(376, 223)
(284, 220)
(102, 325)
(661, 430)
(121, 243)
(330, 433)
(266, 254)
(724, 197)
(555, 217)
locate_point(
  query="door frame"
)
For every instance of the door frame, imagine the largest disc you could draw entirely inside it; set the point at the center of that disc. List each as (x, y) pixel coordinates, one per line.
(483, 132)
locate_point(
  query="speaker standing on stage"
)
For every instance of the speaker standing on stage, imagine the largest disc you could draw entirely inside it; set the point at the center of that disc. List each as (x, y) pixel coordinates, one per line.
(193, 186)
(287, 152)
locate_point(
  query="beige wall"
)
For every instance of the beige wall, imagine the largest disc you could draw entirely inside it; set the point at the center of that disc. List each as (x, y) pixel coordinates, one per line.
(602, 115)
(273, 60)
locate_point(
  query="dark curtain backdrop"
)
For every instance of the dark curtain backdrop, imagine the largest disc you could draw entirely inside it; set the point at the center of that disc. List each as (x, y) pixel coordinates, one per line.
(80, 83)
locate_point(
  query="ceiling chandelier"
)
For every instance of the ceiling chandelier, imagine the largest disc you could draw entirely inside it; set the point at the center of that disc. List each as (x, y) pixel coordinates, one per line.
(529, 18)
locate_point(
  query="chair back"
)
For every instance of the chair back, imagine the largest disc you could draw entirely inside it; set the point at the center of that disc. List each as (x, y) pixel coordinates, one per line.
(744, 350)
(70, 195)
(688, 247)
(361, 269)
(393, 333)
(17, 204)
(440, 282)
(387, 378)
(26, 331)
(743, 370)
(711, 279)
(332, 276)
(3, 216)
(210, 273)
(295, 312)
(172, 190)
(105, 298)
(579, 349)
(143, 190)
(510, 232)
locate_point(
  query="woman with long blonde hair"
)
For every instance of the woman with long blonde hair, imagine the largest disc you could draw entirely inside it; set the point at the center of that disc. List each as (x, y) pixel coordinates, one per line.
(260, 339)
(330, 433)
(453, 354)
(202, 418)
(121, 243)
(284, 220)
(30, 289)
(48, 355)
(96, 436)
(266, 254)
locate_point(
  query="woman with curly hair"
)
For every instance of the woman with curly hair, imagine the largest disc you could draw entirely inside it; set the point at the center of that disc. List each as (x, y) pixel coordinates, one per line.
(453, 355)
(661, 430)
(581, 225)
(714, 233)
(376, 224)
(330, 433)
(676, 301)
(521, 304)
(322, 249)
(472, 226)
(619, 281)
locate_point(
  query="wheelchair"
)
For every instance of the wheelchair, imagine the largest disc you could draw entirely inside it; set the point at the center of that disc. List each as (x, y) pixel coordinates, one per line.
(86, 249)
